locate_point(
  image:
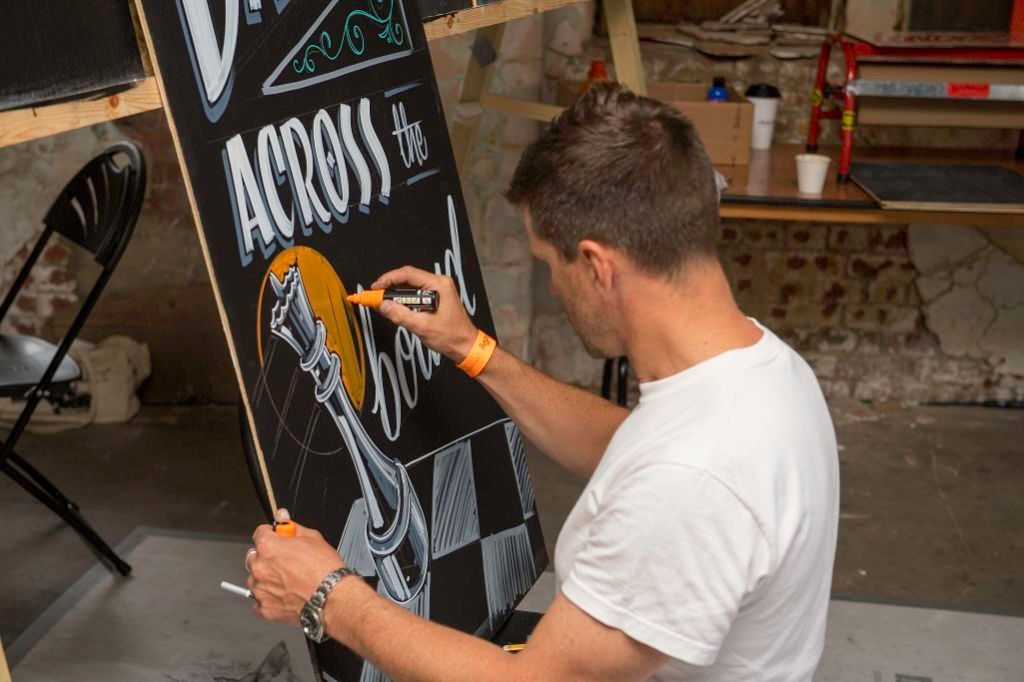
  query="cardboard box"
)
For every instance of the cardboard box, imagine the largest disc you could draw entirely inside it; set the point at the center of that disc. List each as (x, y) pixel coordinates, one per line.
(724, 127)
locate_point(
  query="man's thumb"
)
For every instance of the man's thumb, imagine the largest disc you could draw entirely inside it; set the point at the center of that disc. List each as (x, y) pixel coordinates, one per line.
(396, 313)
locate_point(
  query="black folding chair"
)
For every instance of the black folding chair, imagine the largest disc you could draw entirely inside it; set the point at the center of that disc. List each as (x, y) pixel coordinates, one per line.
(97, 210)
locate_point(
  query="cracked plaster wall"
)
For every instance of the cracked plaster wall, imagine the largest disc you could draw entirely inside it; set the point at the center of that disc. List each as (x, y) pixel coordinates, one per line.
(972, 293)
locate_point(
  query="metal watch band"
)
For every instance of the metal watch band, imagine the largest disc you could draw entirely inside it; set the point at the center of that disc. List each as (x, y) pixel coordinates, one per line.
(311, 616)
(332, 579)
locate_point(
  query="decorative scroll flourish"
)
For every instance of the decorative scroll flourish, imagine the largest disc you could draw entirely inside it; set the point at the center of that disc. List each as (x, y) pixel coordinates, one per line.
(352, 37)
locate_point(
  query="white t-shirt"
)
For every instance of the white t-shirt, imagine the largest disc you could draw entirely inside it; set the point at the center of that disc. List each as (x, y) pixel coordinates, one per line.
(708, 530)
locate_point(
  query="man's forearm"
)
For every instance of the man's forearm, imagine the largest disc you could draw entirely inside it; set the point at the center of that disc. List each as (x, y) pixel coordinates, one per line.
(405, 646)
(570, 425)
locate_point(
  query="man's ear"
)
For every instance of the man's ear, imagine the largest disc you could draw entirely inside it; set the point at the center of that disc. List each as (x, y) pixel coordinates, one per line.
(600, 261)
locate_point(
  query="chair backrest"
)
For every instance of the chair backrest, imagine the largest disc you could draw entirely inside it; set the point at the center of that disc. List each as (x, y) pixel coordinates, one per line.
(98, 209)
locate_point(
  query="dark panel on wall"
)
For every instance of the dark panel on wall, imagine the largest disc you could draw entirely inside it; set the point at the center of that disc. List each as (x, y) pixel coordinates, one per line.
(54, 50)
(430, 9)
(956, 15)
(436, 8)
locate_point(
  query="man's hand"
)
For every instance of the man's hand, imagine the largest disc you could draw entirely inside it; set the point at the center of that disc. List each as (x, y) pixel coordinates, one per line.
(448, 330)
(286, 571)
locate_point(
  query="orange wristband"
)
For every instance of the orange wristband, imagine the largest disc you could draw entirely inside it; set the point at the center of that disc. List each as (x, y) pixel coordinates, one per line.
(479, 355)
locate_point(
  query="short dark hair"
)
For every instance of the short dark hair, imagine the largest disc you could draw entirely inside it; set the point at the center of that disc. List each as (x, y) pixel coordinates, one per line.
(624, 170)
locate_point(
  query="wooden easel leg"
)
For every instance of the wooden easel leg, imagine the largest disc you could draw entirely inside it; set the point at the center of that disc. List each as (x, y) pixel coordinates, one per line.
(468, 112)
(625, 44)
(5, 674)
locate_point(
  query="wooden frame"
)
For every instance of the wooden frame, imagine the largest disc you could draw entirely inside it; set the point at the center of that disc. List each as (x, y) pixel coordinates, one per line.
(476, 95)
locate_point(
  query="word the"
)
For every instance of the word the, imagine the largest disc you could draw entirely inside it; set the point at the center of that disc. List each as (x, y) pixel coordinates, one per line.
(412, 143)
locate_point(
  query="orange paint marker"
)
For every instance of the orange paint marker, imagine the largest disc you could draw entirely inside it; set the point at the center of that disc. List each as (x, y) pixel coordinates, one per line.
(416, 299)
(285, 528)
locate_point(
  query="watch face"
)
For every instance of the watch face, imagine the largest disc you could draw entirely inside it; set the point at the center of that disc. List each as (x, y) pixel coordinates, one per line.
(310, 623)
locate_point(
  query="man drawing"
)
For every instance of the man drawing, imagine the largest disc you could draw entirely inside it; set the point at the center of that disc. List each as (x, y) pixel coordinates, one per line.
(702, 546)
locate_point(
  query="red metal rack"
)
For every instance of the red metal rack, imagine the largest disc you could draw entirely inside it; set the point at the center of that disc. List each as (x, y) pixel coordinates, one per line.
(830, 101)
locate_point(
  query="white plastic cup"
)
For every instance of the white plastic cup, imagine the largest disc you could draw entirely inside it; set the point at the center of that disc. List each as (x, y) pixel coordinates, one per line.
(765, 99)
(811, 170)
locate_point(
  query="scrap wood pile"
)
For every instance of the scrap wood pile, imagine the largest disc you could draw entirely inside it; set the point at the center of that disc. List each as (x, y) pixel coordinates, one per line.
(749, 30)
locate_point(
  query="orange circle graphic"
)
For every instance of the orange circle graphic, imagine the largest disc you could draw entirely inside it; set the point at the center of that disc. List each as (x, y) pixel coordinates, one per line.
(327, 298)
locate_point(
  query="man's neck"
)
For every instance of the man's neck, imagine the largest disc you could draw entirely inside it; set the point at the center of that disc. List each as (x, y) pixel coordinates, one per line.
(674, 325)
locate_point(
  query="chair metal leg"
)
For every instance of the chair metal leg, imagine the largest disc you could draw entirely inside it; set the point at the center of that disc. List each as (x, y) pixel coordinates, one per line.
(43, 482)
(69, 516)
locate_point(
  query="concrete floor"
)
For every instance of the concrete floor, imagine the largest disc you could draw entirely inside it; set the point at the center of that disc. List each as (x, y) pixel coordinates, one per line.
(932, 510)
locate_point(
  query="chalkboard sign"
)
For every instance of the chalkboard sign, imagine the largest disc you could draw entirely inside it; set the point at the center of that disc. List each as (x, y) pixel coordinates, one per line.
(317, 156)
(56, 50)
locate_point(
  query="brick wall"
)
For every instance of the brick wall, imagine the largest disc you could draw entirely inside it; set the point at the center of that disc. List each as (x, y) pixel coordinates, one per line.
(846, 297)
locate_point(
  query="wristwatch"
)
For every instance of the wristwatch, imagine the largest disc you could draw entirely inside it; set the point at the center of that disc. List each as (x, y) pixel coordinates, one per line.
(311, 616)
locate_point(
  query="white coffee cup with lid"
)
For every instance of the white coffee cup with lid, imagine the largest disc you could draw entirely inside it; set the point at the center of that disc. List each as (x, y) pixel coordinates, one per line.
(765, 99)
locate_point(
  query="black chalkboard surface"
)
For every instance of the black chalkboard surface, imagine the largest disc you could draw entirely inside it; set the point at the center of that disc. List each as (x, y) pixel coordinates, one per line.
(317, 156)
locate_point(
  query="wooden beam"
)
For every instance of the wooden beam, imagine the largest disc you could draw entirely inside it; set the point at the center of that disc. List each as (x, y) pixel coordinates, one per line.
(488, 15)
(538, 111)
(21, 125)
(625, 44)
(484, 55)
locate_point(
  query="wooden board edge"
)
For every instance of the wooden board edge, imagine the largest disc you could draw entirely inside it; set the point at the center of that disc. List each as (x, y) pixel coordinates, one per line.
(965, 208)
(487, 15)
(866, 216)
(23, 125)
(5, 673)
(209, 262)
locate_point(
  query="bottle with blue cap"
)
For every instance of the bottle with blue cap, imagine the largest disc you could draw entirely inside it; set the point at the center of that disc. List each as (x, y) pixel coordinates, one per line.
(718, 92)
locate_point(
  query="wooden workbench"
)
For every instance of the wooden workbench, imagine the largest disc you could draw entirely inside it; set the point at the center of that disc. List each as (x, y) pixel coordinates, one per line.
(767, 189)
